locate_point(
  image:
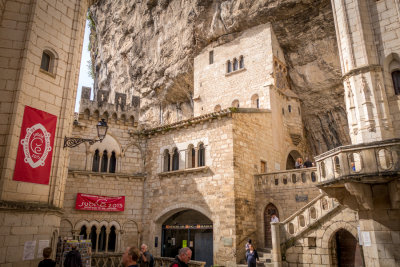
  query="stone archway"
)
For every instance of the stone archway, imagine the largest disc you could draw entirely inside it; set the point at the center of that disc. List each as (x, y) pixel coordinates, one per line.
(188, 228)
(346, 252)
(269, 210)
(291, 159)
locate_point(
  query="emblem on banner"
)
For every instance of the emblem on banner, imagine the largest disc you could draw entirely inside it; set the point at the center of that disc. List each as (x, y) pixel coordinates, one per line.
(36, 145)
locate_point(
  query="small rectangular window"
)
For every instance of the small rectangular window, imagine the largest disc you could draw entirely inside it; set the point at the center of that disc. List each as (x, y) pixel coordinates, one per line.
(263, 166)
(211, 57)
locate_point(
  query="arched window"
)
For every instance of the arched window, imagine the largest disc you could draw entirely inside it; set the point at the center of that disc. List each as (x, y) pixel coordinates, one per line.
(112, 238)
(228, 66)
(191, 152)
(167, 161)
(113, 162)
(175, 160)
(93, 237)
(396, 81)
(83, 232)
(217, 108)
(96, 161)
(102, 239)
(104, 161)
(235, 103)
(241, 62)
(290, 108)
(201, 159)
(235, 64)
(255, 102)
(132, 121)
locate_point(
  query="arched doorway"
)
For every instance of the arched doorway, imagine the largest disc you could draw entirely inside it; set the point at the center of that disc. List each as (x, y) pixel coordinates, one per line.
(188, 228)
(291, 159)
(269, 210)
(346, 250)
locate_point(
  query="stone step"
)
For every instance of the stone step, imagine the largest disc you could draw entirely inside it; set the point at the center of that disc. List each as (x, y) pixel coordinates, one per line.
(260, 264)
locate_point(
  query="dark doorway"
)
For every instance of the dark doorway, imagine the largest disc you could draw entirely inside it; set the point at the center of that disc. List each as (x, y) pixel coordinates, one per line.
(291, 159)
(188, 228)
(269, 210)
(348, 251)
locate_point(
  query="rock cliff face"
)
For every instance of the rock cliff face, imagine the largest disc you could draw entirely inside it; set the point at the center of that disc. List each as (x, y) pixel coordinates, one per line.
(146, 49)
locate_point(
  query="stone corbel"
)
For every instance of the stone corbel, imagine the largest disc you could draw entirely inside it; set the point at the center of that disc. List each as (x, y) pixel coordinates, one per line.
(342, 196)
(363, 194)
(394, 194)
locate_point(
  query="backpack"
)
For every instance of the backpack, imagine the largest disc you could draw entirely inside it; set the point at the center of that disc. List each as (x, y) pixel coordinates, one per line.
(151, 263)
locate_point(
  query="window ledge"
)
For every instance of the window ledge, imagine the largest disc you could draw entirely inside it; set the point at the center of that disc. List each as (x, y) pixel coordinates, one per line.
(117, 176)
(47, 73)
(185, 171)
(234, 72)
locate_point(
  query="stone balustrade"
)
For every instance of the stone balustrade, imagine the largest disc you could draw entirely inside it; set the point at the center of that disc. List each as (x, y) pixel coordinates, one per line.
(107, 260)
(295, 177)
(306, 216)
(366, 161)
(115, 260)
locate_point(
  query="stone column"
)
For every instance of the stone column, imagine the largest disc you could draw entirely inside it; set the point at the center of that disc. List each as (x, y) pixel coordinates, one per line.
(97, 239)
(171, 160)
(107, 236)
(366, 101)
(276, 244)
(100, 161)
(89, 161)
(108, 163)
(196, 157)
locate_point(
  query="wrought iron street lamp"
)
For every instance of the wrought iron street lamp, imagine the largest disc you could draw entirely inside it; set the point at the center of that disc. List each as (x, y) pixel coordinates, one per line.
(102, 128)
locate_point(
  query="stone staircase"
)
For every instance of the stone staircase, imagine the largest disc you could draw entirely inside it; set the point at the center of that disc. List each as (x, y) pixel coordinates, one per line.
(265, 257)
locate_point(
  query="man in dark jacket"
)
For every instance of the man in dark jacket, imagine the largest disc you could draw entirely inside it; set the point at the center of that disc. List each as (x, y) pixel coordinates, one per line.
(73, 258)
(183, 258)
(47, 262)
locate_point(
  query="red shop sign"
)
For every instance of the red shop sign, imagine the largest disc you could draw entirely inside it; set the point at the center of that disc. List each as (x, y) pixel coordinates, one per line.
(35, 146)
(99, 203)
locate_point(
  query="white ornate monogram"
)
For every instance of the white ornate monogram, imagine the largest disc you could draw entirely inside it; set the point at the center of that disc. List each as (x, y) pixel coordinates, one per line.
(36, 145)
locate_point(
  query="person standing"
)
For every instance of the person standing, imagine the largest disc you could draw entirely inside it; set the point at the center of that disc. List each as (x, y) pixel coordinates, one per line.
(308, 163)
(247, 246)
(47, 262)
(145, 259)
(274, 218)
(130, 257)
(73, 258)
(183, 258)
(252, 257)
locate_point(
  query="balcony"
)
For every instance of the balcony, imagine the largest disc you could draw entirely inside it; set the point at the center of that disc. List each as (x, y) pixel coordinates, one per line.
(349, 173)
(288, 178)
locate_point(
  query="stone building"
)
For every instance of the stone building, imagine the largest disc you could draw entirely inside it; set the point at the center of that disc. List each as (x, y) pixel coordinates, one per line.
(212, 181)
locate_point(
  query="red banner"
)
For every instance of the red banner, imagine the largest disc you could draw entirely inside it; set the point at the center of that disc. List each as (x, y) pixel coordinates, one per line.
(35, 146)
(99, 203)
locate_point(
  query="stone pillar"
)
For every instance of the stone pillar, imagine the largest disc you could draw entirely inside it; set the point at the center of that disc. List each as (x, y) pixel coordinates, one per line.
(89, 161)
(171, 160)
(100, 160)
(98, 231)
(119, 234)
(107, 236)
(276, 244)
(196, 157)
(365, 94)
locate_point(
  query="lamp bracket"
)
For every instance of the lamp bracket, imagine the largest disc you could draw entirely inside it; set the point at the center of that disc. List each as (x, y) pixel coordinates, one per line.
(76, 141)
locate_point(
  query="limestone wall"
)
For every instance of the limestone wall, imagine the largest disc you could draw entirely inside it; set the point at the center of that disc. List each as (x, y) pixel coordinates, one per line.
(213, 85)
(321, 252)
(252, 144)
(210, 192)
(111, 185)
(26, 31)
(385, 21)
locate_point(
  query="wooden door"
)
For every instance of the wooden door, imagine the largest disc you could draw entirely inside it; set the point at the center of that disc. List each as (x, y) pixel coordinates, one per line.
(269, 210)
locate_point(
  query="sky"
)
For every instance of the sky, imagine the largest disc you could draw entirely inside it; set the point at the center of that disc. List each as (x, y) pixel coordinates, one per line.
(84, 78)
